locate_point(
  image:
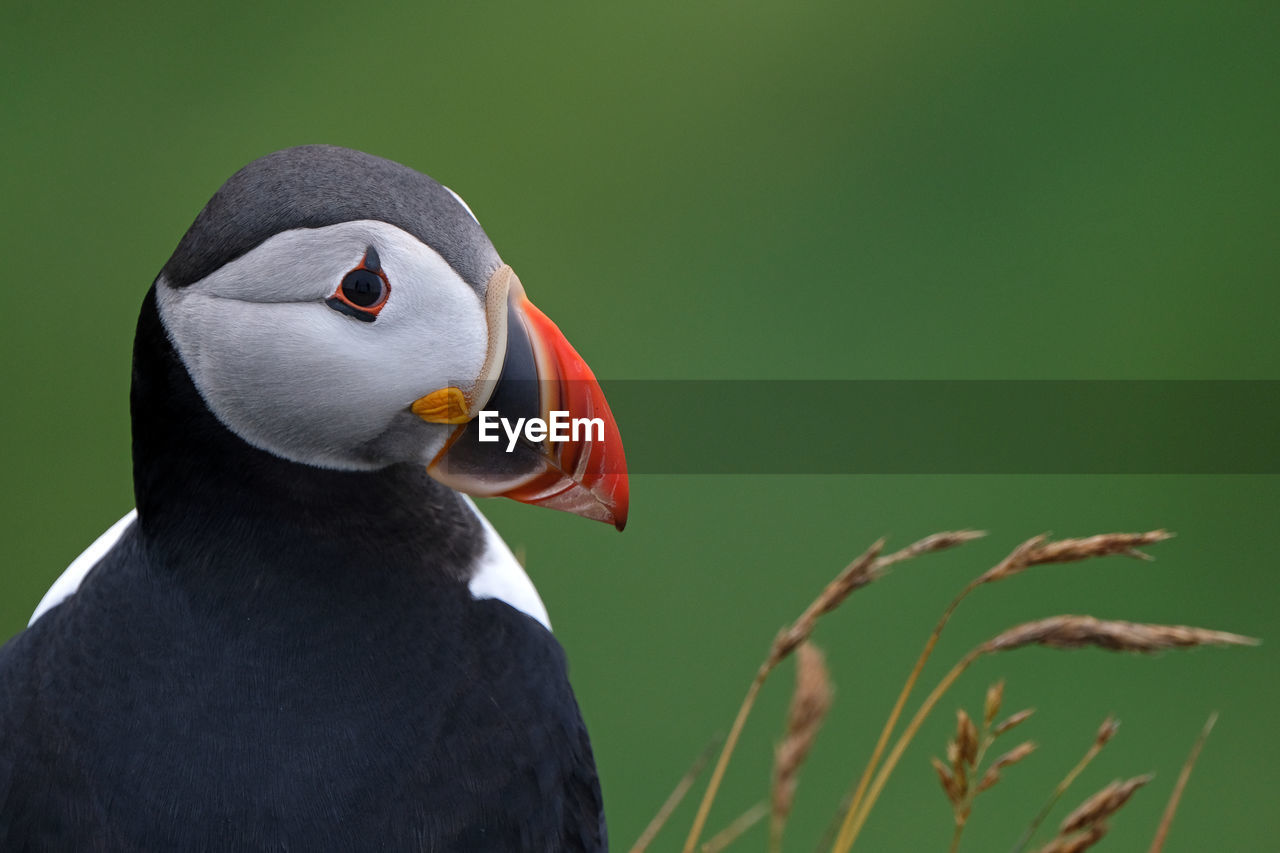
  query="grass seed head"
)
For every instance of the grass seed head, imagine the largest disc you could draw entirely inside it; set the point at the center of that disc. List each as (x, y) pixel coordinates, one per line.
(1017, 560)
(1010, 758)
(1013, 720)
(966, 738)
(864, 569)
(934, 542)
(1038, 551)
(1074, 632)
(991, 707)
(1107, 731)
(1102, 805)
(1102, 545)
(948, 780)
(809, 705)
(1076, 843)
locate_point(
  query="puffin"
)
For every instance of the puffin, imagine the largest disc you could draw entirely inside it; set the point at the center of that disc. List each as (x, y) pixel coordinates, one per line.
(306, 637)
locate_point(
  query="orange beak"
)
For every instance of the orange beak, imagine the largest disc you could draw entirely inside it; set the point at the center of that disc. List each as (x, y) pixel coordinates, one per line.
(535, 427)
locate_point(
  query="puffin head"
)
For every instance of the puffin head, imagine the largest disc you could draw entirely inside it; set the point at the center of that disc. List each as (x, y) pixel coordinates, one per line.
(343, 311)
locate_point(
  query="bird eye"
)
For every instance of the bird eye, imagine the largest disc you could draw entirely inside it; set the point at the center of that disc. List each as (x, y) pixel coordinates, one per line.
(362, 288)
(363, 291)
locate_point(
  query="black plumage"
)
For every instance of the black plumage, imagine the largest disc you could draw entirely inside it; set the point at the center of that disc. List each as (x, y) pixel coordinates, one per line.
(312, 186)
(281, 657)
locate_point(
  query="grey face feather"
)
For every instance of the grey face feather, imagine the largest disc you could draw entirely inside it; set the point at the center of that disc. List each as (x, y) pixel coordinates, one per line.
(313, 186)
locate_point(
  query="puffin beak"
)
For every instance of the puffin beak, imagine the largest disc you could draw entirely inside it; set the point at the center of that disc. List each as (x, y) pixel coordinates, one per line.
(534, 426)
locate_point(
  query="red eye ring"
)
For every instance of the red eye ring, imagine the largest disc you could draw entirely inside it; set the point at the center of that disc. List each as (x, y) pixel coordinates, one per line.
(363, 291)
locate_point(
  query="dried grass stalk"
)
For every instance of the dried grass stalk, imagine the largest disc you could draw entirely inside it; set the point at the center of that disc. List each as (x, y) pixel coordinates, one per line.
(1102, 805)
(965, 752)
(1077, 843)
(676, 796)
(966, 738)
(1075, 632)
(1166, 820)
(734, 831)
(1102, 545)
(1014, 720)
(1105, 733)
(1088, 823)
(856, 575)
(1010, 758)
(950, 784)
(1067, 632)
(1034, 551)
(863, 570)
(991, 705)
(1017, 561)
(809, 705)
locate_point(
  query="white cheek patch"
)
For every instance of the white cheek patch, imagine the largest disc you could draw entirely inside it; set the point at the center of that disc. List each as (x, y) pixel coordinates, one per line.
(290, 375)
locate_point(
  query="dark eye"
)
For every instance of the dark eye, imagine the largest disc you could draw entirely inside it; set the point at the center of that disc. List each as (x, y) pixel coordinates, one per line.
(363, 291)
(362, 288)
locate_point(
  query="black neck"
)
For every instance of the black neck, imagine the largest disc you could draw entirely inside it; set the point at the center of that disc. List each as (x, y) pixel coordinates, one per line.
(204, 494)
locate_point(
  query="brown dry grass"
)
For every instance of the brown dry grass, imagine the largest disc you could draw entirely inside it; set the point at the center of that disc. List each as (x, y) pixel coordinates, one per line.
(1166, 820)
(864, 569)
(1102, 805)
(1106, 732)
(810, 702)
(1078, 632)
(963, 775)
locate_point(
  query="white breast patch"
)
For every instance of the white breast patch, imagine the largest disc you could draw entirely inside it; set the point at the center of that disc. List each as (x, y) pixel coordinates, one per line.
(69, 581)
(498, 573)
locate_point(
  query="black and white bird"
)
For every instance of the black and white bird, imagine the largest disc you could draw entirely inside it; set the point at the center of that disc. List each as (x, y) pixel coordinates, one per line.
(305, 638)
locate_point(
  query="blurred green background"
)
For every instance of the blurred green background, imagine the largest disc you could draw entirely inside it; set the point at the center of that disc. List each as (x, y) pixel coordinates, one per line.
(741, 190)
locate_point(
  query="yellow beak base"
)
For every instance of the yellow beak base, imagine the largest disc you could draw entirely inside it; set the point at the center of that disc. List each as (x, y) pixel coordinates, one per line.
(443, 406)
